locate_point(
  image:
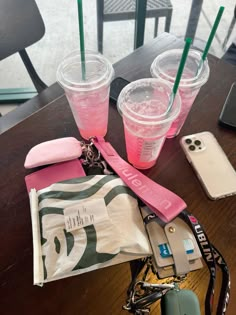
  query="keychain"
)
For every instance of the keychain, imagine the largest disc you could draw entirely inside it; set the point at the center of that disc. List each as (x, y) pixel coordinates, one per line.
(141, 294)
(174, 301)
(92, 161)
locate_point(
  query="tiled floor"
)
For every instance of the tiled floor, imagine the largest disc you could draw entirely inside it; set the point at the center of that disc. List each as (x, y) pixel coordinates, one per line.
(62, 36)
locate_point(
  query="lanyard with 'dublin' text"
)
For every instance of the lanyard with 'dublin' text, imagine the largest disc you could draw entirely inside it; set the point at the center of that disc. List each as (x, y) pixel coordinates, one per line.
(212, 257)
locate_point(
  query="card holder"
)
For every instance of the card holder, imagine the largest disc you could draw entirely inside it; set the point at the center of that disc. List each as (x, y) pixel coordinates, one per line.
(175, 249)
(169, 271)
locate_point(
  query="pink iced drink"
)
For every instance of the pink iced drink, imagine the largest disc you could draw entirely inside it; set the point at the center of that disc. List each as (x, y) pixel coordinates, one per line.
(144, 142)
(142, 152)
(86, 81)
(143, 105)
(165, 66)
(187, 99)
(90, 112)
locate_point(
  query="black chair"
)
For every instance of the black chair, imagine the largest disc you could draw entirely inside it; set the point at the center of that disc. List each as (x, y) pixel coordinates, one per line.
(21, 25)
(117, 10)
(230, 30)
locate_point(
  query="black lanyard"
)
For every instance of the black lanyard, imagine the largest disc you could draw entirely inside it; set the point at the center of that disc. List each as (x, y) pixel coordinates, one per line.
(225, 289)
(212, 257)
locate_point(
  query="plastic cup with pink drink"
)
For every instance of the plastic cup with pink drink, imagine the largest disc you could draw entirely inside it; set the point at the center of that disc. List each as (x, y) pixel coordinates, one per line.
(165, 66)
(143, 105)
(88, 96)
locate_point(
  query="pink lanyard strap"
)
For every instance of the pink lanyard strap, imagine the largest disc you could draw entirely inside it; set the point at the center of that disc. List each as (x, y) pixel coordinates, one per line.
(164, 203)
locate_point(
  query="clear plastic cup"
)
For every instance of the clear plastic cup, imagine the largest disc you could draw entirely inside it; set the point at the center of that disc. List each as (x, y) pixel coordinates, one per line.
(89, 98)
(165, 66)
(143, 105)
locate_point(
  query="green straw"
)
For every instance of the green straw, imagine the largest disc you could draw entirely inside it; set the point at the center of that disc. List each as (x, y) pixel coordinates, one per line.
(210, 38)
(188, 42)
(81, 34)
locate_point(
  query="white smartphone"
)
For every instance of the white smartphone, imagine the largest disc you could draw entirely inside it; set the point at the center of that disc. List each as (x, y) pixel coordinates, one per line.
(211, 165)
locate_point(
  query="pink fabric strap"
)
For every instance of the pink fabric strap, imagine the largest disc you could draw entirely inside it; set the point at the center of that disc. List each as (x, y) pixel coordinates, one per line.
(160, 200)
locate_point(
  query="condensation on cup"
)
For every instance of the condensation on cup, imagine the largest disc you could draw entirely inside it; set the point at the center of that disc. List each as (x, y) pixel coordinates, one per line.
(143, 105)
(165, 66)
(88, 98)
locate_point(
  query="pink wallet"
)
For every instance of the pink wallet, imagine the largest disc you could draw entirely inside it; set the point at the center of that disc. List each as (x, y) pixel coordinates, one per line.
(53, 174)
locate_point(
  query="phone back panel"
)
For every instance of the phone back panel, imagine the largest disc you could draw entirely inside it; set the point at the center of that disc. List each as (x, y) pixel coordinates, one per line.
(211, 165)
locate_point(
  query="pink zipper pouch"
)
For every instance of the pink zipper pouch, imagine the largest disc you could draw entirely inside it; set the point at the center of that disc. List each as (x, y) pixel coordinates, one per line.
(53, 151)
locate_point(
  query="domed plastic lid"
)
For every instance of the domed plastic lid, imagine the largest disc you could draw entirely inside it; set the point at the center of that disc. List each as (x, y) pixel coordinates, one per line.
(98, 71)
(166, 65)
(145, 101)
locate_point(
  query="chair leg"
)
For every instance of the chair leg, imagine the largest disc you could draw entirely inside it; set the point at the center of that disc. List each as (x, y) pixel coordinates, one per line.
(100, 9)
(193, 19)
(38, 83)
(168, 21)
(156, 27)
(230, 30)
(140, 19)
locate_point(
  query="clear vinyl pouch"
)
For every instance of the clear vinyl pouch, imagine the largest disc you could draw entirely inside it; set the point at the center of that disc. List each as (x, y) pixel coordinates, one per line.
(81, 223)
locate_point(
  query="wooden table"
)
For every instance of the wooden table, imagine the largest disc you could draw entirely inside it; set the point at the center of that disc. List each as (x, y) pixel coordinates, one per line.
(104, 291)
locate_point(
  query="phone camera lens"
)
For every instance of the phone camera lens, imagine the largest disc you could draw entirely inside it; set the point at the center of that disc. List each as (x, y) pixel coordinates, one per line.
(188, 141)
(197, 142)
(191, 147)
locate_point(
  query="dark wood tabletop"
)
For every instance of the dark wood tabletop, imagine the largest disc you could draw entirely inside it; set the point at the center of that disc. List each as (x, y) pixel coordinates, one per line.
(104, 291)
